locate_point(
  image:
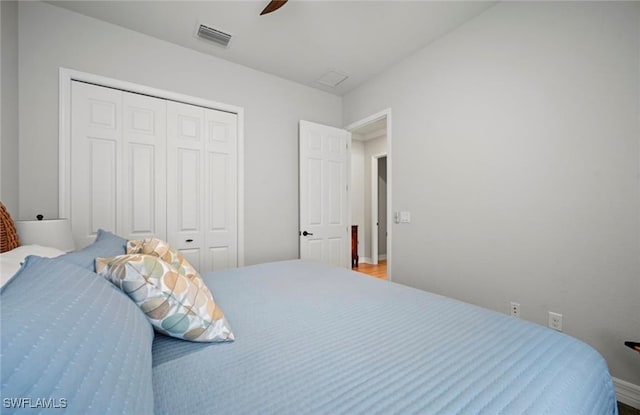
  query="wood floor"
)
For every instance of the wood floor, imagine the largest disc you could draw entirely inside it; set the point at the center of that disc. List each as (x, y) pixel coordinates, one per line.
(378, 271)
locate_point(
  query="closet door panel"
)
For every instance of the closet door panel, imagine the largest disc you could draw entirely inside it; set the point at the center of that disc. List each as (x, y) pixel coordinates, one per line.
(144, 157)
(140, 183)
(221, 258)
(185, 188)
(96, 128)
(188, 190)
(221, 178)
(103, 187)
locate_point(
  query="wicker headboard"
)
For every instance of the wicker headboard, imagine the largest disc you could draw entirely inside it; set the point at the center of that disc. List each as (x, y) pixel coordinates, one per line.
(8, 235)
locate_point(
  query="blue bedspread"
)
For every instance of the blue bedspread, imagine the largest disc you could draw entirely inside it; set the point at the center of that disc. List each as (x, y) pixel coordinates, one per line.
(320, 340)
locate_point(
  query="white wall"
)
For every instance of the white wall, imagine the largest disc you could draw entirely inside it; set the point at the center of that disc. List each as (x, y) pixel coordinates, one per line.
(516, 149)
(51, 37)
(9, 106)
(357, 191)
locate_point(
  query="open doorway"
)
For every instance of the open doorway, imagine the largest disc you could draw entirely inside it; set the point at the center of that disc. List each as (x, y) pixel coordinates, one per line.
(371, 193)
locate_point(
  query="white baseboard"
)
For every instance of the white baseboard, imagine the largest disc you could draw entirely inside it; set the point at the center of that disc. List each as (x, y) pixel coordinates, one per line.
(367, 260)
(627, 393)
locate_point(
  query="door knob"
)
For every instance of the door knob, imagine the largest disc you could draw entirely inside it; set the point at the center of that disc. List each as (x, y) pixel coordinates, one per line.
(305, 233)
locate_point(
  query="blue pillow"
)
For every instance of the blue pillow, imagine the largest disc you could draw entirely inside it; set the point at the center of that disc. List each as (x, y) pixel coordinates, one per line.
(73, 340)
(105, 245)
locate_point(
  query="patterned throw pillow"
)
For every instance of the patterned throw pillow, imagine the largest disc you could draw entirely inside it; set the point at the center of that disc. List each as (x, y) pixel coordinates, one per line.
(161, 249)
(172, 302)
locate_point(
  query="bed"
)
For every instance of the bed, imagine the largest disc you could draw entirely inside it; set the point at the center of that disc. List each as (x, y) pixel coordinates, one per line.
(309, 339)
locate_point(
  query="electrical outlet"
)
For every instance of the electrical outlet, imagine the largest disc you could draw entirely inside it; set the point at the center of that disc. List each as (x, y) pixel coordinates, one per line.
(555, 321)
(515, 309)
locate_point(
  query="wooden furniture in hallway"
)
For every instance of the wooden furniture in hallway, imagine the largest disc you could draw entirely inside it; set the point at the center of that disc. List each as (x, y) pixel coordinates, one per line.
(354, 246)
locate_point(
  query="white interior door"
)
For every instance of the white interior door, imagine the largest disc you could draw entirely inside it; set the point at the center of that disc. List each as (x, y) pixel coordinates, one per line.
(202, 181)
(96, 130)
(118, 163)
(324, 208)
(221, 196)
(144, 188)
(185, 187)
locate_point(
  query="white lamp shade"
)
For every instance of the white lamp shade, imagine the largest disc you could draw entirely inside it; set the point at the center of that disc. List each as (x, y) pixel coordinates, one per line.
(55, 233)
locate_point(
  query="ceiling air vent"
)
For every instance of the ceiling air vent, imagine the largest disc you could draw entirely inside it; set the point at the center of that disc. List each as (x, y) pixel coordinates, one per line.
(214, 35)
(332, 78)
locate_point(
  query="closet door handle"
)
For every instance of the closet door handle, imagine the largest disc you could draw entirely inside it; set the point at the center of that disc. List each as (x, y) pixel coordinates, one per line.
(305, 233)
(189, 240)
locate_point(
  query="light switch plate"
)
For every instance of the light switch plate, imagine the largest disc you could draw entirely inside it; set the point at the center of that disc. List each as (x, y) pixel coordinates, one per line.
(405, 217)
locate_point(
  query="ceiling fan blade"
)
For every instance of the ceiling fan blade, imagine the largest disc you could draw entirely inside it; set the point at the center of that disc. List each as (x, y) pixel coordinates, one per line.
(273, 6)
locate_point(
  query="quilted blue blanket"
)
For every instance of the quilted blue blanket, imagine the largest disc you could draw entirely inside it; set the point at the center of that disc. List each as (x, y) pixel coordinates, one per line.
(320, 340)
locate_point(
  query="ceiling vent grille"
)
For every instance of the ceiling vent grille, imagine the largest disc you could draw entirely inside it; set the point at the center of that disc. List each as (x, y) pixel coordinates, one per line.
(214, 35)
(332, 78)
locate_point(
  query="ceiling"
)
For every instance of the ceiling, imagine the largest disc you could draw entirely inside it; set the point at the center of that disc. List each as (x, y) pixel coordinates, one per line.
(303, 40)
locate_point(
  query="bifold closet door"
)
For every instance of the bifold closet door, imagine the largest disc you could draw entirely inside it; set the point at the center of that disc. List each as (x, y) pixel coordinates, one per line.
(221, 193)
(144, 167)
(202, 185)
(118, 163)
